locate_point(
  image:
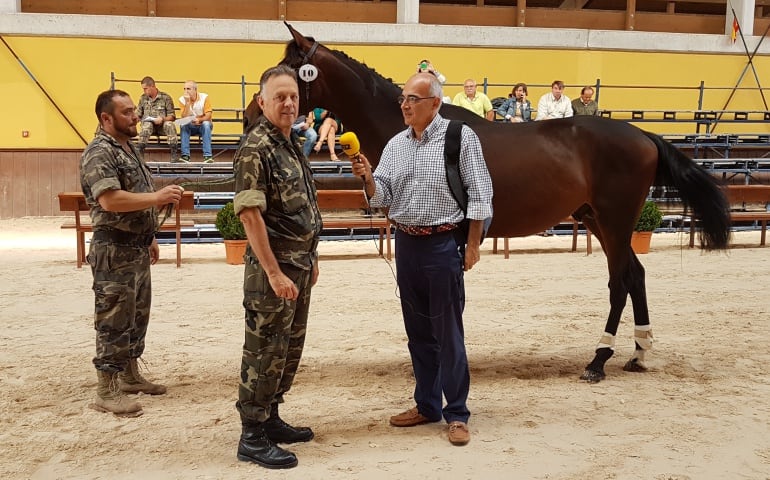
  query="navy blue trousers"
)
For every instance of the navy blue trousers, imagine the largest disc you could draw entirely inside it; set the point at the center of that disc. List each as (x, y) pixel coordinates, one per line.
(430, 280)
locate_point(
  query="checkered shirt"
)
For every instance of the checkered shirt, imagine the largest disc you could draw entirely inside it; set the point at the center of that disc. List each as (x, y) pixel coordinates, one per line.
(411, 178)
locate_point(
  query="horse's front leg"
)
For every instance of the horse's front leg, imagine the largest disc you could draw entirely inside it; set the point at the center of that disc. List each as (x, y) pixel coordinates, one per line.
(642, 329)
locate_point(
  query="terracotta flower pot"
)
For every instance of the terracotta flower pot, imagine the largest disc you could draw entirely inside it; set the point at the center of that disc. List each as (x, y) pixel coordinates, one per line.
(235, 250)
(640, 242)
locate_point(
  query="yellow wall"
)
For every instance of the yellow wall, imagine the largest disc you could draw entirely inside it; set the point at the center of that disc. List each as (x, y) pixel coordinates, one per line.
(74, 71)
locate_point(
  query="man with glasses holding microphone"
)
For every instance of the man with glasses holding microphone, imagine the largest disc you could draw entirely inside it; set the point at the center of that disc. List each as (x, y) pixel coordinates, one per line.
(433, 250)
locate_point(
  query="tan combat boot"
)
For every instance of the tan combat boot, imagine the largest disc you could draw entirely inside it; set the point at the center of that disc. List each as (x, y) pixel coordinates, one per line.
(110, 399)
(131, 381)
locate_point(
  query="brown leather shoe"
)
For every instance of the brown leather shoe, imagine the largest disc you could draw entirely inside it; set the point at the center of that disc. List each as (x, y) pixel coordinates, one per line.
(458, 433)
(409, 418)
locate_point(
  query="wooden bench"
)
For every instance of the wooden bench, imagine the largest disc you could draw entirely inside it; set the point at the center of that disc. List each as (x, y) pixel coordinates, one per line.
(352, 200)
(76, 202)
(739, 197)
(575, 225)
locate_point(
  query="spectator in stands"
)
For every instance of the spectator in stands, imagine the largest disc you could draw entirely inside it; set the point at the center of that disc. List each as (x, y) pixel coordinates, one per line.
(517, 108)
(585, 105)
(303, 129)
(425, 66)
(195, 119)
(474, 101)
(554, 104)
(328, 126)
(282, 223)
(432, 251)
(156, 116)
(124, 212)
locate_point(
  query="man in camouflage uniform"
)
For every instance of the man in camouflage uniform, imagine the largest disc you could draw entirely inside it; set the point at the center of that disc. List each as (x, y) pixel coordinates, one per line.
(124, 210)
(160, 107)
(275, 198)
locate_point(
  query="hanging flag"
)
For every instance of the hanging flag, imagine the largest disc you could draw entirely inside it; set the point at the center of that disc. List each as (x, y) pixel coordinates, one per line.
(736, 28)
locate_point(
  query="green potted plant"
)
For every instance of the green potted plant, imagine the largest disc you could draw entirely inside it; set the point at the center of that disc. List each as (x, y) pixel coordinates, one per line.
(649, 219)
(233, 234)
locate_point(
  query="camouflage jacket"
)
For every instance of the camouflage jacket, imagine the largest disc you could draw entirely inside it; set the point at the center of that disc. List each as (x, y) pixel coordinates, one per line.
(162, 106)
(272, 174)
(106, 166)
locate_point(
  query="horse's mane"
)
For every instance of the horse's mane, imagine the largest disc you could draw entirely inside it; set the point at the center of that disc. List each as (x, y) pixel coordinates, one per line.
(294, 57)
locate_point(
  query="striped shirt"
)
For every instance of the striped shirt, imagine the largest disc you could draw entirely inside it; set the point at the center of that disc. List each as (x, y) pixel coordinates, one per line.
(411, 178)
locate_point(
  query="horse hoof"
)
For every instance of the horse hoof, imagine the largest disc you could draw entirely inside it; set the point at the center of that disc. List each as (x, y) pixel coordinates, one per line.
(592, 377)
(634, 365)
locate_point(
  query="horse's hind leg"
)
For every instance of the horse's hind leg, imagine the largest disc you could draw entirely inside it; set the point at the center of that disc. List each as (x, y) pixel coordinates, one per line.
(594, 371)
(642, 329)
(619, 254)
(626, 278)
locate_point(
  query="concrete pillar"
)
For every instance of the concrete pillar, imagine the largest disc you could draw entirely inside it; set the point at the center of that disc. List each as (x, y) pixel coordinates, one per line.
(744, 12)
(10, 6)
(408, 11)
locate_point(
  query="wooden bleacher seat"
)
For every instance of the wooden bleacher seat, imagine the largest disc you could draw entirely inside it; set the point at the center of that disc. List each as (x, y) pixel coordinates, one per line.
(739, 197)
(353, 200)
(76, 202)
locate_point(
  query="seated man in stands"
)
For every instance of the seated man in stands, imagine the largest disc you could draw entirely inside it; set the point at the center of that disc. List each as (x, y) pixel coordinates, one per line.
(155, 110)
(328, 126)
(474, 101)
(195, 119)
(303, 129)
(554, 104)
(585, 105)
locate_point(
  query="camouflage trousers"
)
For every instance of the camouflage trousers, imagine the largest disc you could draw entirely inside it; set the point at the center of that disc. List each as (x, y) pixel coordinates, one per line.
(275, 336)
(148, 129)
(123, 294)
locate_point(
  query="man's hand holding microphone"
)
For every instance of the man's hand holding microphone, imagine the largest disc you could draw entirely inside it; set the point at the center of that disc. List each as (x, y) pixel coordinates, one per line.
(359, 163)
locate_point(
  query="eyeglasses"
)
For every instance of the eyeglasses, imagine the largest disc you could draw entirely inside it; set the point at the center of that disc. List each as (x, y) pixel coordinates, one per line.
(410, 99)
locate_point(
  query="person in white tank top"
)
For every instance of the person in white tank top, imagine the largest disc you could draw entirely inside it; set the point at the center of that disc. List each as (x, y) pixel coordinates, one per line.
(195, 119)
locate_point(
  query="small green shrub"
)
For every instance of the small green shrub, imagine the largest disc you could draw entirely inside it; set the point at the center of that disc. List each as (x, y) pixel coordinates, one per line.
(650, 218)
(228, 223)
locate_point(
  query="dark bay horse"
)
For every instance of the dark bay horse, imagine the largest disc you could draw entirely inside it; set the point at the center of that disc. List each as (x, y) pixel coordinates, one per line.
(597, 169)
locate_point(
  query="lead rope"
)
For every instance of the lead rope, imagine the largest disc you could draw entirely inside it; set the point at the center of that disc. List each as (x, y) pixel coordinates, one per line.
(165, 212)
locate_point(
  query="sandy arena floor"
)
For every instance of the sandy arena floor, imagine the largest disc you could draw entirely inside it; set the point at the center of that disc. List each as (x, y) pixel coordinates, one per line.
(532, 323)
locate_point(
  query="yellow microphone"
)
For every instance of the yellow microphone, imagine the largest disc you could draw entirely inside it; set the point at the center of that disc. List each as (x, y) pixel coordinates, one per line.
(350, 145)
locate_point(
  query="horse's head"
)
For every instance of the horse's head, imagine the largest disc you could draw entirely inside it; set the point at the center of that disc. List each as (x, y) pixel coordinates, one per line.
(336, 73)
(364, 100)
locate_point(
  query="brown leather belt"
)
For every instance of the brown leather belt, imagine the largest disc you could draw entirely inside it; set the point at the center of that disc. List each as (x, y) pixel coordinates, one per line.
(418, 230)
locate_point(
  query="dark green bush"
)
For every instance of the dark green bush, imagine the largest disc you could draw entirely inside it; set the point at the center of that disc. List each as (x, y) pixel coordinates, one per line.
(650, 218)
(228, 223)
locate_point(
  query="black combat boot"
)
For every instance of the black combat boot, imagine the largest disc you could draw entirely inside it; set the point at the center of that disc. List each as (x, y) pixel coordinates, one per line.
(254, 446)
(281, 432)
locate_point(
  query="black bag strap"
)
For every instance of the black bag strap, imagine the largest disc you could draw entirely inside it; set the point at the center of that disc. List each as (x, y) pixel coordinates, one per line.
(452, 163)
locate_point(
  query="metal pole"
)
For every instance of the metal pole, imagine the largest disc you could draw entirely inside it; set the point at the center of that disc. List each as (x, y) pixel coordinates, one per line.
(700, 105)
(745, 69)
(598, 84)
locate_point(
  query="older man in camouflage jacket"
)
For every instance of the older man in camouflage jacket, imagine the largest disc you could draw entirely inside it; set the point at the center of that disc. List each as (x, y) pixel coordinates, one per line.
(275, 198)
(124, 205)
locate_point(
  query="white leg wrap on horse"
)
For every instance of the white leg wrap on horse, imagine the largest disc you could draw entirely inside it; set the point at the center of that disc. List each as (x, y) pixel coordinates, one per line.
(639, 356)
(643, 336)
(607, 341)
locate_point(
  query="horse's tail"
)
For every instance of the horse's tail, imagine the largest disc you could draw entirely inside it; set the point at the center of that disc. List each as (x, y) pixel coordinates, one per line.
(699, 191)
